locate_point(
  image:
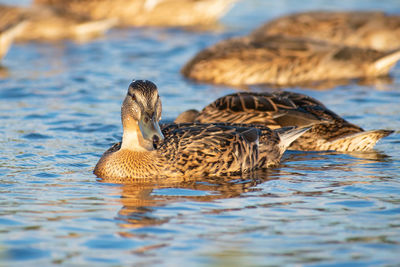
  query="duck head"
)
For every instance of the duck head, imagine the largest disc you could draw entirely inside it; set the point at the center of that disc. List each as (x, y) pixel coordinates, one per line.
(140, 114)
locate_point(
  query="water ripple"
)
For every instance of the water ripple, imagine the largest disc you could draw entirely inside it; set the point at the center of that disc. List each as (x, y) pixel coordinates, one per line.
(61, 111)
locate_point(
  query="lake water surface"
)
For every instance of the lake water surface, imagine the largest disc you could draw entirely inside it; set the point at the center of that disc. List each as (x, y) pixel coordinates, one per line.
(60, 110)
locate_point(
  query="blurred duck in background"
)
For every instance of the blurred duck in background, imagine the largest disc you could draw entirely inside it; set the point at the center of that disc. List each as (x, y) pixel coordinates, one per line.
(285, 61)
(12, 24)
(281, 109)
(146, 12)
(40, 24)
(374, 30)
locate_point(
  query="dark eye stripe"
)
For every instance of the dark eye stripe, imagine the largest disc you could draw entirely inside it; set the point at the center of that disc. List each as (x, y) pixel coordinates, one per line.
(131, 95)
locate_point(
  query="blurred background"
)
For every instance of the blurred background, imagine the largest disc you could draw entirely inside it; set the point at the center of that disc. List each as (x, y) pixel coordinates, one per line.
(60, 110)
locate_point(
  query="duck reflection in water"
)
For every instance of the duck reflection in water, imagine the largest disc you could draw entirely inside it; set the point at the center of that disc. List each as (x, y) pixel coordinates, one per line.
(357, 165)
(140, 199)
(4, 73)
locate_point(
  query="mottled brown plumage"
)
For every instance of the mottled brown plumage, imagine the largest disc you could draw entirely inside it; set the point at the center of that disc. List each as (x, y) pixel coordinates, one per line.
(353, 28)
(283, 108)
(281, 60)
(191, 149)
(146, 12)
(43, 23)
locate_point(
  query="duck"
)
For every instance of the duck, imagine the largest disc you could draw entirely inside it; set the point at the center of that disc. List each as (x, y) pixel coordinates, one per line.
(170, 13)
(47, 24)
(284, 61)
(187, 149)
(366, 29)
(284, 108)
(12, 24)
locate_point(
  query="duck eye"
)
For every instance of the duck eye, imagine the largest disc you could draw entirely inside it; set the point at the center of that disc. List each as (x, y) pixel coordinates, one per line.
(132, 95)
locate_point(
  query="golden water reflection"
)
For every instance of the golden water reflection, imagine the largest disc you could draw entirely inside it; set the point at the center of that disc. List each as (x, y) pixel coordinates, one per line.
(4, 72)
(140, 198)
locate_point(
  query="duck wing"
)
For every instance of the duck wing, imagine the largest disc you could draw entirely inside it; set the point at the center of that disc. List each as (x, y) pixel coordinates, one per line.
(272, 110)
(210, 149)
(221, 148)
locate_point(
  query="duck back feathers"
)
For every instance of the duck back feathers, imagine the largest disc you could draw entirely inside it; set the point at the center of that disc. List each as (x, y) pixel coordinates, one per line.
(281, 60)
(145, 12)
(364, 29)
(328, 130)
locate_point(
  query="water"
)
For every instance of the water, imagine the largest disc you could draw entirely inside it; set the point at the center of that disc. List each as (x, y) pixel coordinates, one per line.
(60, 110)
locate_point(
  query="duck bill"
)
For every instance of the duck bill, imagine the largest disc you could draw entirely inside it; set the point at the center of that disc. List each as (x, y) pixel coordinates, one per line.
(150, 129)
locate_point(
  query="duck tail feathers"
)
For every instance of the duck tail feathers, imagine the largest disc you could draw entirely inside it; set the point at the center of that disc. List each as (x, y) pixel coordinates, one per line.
(289, 134)
(362, 141)
(385, 63)
(93, 28)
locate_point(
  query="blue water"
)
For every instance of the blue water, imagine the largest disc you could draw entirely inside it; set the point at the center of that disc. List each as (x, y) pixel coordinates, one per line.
(60, 110)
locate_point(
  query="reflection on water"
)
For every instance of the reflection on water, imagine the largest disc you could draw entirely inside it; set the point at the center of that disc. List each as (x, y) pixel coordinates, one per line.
(4, 73)
(140, 198)
(60, 110)
(265, 207)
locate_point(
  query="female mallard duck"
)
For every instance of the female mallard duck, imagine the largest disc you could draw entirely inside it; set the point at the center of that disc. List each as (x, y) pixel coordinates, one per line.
(47, 24)
(12, 24)
(146, 12)
(281, 60)
(185, 149)
(281, 109)
(353, 28)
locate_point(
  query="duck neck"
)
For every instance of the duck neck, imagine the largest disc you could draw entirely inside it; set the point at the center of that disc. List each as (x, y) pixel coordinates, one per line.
(132, 138)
